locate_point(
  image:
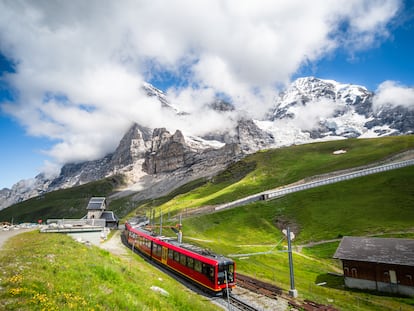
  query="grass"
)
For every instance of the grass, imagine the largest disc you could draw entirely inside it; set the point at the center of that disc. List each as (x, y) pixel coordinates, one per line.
(376, 204)
(53, 272)
(251, 229)
(277, 167)
(380, 204)
(371, 204)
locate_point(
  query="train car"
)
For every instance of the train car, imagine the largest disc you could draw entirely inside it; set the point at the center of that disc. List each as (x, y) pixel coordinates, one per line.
(212, 272)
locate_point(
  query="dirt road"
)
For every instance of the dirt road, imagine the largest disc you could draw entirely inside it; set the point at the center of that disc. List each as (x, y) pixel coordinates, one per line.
(5, 235)
(115, 246)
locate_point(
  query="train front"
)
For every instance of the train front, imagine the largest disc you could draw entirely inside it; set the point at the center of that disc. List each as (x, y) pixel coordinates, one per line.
(226, 274)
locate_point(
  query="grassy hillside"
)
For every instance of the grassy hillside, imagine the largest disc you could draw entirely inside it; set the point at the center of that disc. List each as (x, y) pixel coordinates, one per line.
(370, 205)
(258, 172)
(53, 272)
(66, 203)
(272, 168)
(375, 204)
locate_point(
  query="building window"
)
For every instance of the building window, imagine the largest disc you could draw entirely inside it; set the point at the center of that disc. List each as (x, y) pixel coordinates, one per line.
(346, 271)
(409, 278)
(354, 272)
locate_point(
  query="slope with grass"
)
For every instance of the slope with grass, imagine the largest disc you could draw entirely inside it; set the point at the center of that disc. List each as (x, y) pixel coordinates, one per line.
(369, 205)
(277, 167)
(53, 272)
(375, 204)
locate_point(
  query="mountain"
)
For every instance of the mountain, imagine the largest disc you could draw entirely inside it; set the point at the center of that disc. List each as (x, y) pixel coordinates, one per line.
(155, 161)
(313, 108)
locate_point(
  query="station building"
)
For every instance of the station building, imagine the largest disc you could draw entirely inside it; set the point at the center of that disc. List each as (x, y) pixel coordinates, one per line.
(380, 264)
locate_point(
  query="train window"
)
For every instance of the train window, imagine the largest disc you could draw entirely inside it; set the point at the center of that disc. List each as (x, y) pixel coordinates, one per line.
(170, 253)
(211, 273)
(225, 273)
(197, 266)
(158, 250)
(176, 256)
(183, 259)
(190, 263)
(208, 271)
(154, 249)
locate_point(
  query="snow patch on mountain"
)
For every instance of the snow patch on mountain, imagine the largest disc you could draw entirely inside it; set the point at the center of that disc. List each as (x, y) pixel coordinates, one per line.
(153, 160)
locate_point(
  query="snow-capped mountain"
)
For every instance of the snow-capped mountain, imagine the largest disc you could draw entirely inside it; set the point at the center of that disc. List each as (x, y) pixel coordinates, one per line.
(314, 109)
(155, 161)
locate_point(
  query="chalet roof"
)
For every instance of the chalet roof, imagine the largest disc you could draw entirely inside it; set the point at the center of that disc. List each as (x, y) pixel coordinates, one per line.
(378, 250)
(109, 216)
(96, 203)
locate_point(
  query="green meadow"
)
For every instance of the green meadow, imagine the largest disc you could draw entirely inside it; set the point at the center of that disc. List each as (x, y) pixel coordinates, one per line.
(379, 205)
(46, 271)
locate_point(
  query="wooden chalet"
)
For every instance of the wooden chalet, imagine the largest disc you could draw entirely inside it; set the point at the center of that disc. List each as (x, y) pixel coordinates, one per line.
(381, 264)
(97, 210)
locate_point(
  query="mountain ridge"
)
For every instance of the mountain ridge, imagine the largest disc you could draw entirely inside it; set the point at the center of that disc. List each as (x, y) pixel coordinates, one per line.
(310, 109)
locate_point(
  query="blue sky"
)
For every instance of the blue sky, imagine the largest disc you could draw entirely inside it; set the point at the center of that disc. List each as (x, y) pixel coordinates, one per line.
(68, 92)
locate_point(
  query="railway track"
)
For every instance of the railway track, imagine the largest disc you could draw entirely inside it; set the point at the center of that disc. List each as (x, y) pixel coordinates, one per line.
(237, 304)
(258, 286)
(274, 292)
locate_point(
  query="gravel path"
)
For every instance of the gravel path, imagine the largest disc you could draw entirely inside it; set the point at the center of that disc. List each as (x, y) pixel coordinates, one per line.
(5, 235)
(114, 245)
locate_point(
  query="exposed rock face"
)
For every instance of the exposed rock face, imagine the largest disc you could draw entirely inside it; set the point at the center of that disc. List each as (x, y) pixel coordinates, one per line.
(170, 152)
(251, 138)
(132, 147)
(159, 161)
(221, 105)
(167, 152)
(346, 110)
(23, 190)
(141, 151)
(399, 118)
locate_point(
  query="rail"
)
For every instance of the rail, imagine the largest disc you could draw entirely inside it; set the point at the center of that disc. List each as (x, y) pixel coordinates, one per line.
(240, 304)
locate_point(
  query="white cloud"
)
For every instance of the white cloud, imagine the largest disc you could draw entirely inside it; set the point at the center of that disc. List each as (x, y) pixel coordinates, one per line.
(308, 116)
(79, 64)
(390, 93)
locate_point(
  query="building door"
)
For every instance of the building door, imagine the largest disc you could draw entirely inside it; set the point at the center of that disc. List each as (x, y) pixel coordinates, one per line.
(393, 277)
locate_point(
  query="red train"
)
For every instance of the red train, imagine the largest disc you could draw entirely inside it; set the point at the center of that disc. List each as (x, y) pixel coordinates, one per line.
(212, 272)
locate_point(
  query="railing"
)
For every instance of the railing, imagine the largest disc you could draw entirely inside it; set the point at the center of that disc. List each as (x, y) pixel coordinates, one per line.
(271, 194)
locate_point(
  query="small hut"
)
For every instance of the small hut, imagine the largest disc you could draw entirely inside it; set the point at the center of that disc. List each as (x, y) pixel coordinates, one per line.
(97, 210)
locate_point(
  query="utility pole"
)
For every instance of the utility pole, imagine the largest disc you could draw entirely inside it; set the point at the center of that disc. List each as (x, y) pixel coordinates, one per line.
(161, 222)
(292, 292)
(180, 233)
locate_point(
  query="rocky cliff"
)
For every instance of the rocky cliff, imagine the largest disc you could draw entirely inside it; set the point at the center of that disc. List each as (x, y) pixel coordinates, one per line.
(154, 161)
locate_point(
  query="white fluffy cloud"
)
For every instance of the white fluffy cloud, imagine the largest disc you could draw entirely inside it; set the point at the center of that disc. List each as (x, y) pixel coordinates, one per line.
(79, 64)
(391, 93)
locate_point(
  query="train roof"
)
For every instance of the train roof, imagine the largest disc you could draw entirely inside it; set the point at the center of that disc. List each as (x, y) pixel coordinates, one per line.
(184, 246)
